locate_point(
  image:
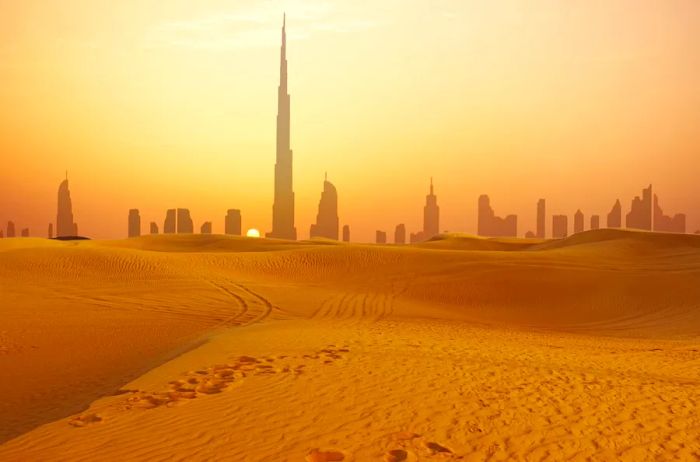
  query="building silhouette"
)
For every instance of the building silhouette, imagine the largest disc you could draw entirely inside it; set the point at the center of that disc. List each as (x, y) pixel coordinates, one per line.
(665, 223)
(206, 228)
(327, 218)
(381, 237)
(134, 223)
(283, 206)
(25, 232)
(615, 216)
(154, 228)
(2, 234)
(595, 222)
(169, 227)
(184, 222)
(233, 222)
(346, 233)
(578, 222)
(640, 215)
(400, 234)
(541, 217)
(178, 221)
(492, 226)
(65, 226)
(10, 229)
(50, 234)
(530, 235)
(560, 226)
(431, 218)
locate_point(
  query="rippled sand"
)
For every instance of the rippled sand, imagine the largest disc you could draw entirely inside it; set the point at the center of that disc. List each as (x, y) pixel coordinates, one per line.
(215, 348)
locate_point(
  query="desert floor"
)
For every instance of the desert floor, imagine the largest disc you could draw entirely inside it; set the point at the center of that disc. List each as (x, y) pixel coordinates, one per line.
(219, 348)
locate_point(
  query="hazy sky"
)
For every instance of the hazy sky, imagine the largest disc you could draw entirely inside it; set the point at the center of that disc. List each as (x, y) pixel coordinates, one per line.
(154, 105)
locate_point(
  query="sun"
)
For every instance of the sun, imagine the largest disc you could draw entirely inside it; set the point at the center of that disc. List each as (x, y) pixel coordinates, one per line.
(252, 232)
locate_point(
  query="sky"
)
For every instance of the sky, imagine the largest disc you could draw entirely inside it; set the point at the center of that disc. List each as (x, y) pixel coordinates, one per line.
(156, 105)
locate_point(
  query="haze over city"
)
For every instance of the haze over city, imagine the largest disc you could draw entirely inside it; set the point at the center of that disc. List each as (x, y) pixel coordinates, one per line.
(578, 103)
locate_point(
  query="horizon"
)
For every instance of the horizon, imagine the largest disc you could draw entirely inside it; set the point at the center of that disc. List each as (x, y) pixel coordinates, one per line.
(166, 113)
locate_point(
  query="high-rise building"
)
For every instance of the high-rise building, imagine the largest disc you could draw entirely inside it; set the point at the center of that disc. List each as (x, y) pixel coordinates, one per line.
(65, 226)
(233, 222)
(50, 231)
(206, 228)
(346, 233)
(381, 237)
(615, 216)
(541, 231)
(154, 228)
(2, 234)
(640, 215)
(492, 226)
(595, 222)
(10, 229)
(170, 225)
(560, 226)
(665, 223)
(327, 218)
(283, 206)
(578, 222)
(184, 222)
(431, 218)
(400, 234)
(134, 223)
(25, 232)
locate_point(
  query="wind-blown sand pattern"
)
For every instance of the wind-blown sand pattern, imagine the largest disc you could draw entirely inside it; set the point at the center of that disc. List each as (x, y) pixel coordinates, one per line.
(216, 348)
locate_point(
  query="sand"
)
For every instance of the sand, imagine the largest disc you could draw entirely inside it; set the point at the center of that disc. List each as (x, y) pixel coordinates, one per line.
(220, 348)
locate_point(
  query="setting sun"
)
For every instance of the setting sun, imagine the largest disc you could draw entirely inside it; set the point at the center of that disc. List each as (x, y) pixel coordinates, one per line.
(252, 232)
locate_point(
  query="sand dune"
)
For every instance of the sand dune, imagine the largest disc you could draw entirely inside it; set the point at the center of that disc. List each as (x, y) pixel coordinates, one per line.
(221, 348)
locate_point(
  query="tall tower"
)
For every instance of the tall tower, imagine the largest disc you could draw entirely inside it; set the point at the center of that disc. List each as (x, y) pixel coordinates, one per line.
(283, 206)
(64, 218)
(431, 214)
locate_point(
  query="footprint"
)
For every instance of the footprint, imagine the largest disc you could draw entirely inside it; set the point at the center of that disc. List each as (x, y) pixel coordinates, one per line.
(405, 436)
(436, 448)
(396, 455)
(85, 419)
(316, 455)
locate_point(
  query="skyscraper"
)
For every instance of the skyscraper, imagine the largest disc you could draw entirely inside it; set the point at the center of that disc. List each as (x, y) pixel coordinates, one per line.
(667, 223)
(233, 222)
(400, 234)
(578, 222)
(50, 230)
(283, 206)
(639, 217)
(169, 226)
(346, 233)
(327, 218)
(615, 216)
(25, 232)
(64, 219)
(134, 223)
(431, 218)
(154, 228)
(560, 226)
(595, 222)
(380, 237)
(206, 227)
(184, 222)
(10, 229)
(540, 219)
(492, 226)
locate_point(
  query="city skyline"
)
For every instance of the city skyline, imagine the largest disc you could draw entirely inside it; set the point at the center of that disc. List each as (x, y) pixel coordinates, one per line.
(222, 160)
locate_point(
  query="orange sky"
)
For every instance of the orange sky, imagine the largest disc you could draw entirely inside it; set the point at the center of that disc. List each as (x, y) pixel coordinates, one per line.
(153, 107)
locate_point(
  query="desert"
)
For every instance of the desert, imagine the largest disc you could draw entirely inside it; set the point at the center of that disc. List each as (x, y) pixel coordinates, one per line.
(460, 348)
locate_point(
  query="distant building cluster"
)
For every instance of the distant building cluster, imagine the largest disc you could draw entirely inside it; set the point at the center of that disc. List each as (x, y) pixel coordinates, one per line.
(645, 212)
